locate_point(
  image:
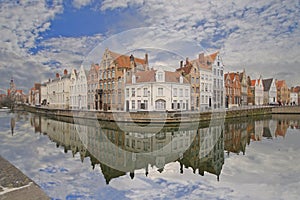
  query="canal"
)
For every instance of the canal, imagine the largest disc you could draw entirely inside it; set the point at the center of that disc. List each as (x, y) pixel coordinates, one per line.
(250, 158)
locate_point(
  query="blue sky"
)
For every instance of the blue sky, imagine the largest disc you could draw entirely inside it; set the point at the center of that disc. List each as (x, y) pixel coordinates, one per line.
(40, 38)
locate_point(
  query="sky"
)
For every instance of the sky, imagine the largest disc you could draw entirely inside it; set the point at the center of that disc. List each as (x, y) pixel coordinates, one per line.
(39, 38)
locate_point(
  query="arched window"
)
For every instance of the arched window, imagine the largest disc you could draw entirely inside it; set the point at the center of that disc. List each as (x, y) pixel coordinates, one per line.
(160, 104)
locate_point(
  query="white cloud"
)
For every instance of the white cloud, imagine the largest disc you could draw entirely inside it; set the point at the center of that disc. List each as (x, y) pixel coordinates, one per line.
(81, 3)
(23, 22)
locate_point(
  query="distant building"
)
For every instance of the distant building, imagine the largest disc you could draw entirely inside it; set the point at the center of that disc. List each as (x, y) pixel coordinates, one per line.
(250, 92)
(15, 95)
(35, 94)
(270, 91)
(296, 90)
(258, 88)
(155, 90)
(283, 95)
(93, 85)
(232, 90)
(78, 89)
(244, 88)
(56, 93)
(294, 97)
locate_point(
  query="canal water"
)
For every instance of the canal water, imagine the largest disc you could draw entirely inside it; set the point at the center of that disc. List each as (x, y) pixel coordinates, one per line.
(253, 158)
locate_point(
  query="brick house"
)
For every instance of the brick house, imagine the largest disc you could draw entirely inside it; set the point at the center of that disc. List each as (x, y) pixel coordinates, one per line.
(113, 70)
(283, 93)
(232, 89)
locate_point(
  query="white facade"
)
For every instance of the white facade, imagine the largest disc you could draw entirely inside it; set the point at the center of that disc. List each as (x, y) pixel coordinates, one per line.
(44, 94)
(58, 92)
(294, 98)
(78, 89)
(259, 92)
(205, 89)
(154, 91)
(218, 101)
(273, 93)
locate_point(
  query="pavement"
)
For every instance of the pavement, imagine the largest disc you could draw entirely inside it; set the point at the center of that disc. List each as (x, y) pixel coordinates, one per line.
(14, 185)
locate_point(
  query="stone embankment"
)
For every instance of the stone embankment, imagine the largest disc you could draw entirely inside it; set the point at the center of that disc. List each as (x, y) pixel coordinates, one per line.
(286, 110)
(15, 185)
(155, 117)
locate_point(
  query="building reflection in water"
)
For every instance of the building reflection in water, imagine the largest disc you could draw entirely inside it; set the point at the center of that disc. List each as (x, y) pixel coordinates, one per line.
(120, 152)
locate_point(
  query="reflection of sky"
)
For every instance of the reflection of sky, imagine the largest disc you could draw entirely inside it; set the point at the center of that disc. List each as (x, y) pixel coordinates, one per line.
(269, 170)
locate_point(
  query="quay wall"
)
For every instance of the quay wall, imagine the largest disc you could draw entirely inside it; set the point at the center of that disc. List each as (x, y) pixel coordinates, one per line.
(286, 110)
(154, 117)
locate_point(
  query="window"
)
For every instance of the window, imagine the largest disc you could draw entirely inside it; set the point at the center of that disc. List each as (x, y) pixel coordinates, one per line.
(160, 104)
(133, 92)
(139, 104)
(127, 92)
(138, 92)
(186, 92)
(146, 104)
(160, 76)
(174, 92)
(145, 92)
(174, 105)
(160, 91)
(181, 92)
(133, 104)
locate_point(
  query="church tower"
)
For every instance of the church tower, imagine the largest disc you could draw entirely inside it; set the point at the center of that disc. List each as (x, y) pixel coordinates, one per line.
(12, 88)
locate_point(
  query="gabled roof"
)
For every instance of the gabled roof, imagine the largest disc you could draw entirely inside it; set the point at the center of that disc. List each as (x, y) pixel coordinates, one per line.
(201, 63)
(297, 89)
(149, 76)
(280, 83)
(230, 75)
(124, 60)
(186, 69)
(267, 84)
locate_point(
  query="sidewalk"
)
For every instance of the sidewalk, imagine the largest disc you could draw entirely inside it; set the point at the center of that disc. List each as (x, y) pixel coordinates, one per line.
(15, 185)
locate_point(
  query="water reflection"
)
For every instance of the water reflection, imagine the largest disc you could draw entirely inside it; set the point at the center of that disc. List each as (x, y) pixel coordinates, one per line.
(118, 152)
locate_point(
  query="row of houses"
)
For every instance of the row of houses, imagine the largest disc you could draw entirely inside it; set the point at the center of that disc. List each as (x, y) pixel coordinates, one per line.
(242, 90)
(126, 83)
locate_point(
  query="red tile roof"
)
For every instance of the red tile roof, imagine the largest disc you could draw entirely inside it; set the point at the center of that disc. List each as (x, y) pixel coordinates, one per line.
(280, 83)
(205, 63)
(124, 60)
(253, 82)
(149, 76)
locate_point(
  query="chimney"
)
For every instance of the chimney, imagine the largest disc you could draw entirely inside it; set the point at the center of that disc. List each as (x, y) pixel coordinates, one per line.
(65, 72)
(201, 58)
(57, 75)
(131, 58)
(187, 60)
(181, 63)
(147, 63)
(146, 58)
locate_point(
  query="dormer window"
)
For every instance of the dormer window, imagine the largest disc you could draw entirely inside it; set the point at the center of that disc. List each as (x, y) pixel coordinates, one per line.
(180, 79)
(160, 75)
(133, 79)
